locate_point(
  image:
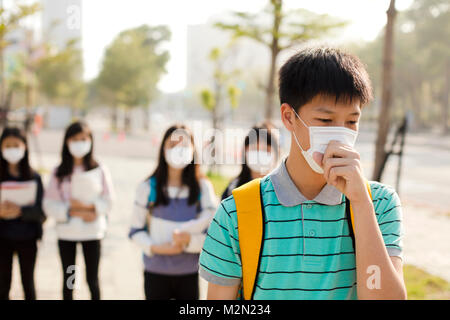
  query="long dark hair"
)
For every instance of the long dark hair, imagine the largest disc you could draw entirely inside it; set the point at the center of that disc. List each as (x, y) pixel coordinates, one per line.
(245, 174)
(25, 170)
(189, 177)
(65, 168)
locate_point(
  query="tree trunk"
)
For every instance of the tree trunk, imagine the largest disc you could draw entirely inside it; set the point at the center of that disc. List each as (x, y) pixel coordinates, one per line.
(127, 124)
(216, 124)
(147, 119)
(216, 109)
(114, 119)
(274, 51)
(2, 72)
(386, 99)
(445, 93)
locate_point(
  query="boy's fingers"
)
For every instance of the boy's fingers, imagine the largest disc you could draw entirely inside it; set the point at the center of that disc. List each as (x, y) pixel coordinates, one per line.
(336, 173)
(337, 149)
(318, 158)
(330, 163)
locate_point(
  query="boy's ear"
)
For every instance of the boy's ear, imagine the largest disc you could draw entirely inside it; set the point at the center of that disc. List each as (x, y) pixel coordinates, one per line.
(287, 116)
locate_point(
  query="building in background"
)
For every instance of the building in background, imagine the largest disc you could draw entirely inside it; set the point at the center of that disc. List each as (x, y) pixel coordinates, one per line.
(246, 56)
(202, 38)
(61, 22)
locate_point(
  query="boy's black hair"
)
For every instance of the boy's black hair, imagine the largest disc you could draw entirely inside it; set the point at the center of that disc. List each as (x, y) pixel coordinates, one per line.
(323, 71)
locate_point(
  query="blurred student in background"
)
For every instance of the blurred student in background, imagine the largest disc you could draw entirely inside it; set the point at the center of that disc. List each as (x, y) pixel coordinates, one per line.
(20, 223)
(79, 197)
(260, 155)
(172, 210)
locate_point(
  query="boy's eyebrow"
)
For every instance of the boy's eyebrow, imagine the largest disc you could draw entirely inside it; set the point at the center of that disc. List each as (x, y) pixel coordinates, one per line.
(326, 110)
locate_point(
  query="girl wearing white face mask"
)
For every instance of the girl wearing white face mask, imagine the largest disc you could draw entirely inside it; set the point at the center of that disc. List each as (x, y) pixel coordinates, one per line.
(260, 156)
(20, 223)
(172, 210)
(80, 218)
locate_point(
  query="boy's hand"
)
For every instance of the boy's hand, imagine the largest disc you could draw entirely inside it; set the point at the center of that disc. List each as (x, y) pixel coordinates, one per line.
(342, 169)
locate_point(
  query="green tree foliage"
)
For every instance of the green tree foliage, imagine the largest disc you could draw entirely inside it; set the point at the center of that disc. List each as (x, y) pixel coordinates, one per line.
(132, 66)
(59, 75)
(421, 63)
(9, 21)
(223, 85)
(279, 29)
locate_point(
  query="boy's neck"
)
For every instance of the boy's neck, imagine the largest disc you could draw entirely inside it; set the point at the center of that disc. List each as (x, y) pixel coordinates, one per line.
(308, 182)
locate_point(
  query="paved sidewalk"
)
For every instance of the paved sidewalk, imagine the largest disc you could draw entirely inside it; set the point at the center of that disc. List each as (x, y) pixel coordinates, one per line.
(121, 270)
(427, 239)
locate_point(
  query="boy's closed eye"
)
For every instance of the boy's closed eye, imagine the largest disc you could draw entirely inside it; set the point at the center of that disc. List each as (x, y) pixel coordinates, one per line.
(324, 120)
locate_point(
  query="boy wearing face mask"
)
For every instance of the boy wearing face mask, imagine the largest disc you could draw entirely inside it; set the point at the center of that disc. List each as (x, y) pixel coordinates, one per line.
(308, 248)
(260, 156)
(77, 221)
(20, 225)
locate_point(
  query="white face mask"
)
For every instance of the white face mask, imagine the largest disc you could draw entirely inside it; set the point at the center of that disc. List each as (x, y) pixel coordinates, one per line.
(260, 161)
(79, 149)
(13, 155)
(320, 137)
(179, 157)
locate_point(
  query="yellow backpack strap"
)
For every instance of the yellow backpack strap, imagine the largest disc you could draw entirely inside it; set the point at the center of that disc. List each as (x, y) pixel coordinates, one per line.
(250, 217)
(352, 219)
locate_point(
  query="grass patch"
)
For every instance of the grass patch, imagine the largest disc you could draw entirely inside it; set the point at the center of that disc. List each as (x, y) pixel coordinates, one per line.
(219, 182)
(420, 285)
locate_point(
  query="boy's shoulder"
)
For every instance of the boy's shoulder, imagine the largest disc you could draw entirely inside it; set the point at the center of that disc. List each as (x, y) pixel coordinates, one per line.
(385, 199)
(229, 205)
(379, 189)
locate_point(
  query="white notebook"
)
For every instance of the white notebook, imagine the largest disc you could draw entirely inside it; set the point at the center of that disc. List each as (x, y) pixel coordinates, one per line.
(87, 186)
(21, 193)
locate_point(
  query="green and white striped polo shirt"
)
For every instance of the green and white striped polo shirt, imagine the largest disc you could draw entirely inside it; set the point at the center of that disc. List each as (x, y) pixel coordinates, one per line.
(307, 251)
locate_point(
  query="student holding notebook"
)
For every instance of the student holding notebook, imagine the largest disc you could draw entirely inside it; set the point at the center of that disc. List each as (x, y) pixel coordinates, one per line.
(21, 214)
(172, 209)
(80, 216)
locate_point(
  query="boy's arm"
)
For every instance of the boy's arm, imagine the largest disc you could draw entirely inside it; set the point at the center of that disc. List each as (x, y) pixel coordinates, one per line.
(218, 292)
(379, 276)
(220, 262)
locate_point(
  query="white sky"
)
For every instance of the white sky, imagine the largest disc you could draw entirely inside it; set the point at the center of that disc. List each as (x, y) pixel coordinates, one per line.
(102, 20)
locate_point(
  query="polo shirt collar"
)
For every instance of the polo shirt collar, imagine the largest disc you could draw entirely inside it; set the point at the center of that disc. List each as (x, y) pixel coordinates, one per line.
(288, 195)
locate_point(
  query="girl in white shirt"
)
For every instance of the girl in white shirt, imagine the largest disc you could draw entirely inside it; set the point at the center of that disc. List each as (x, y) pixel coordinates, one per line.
(79, 197)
